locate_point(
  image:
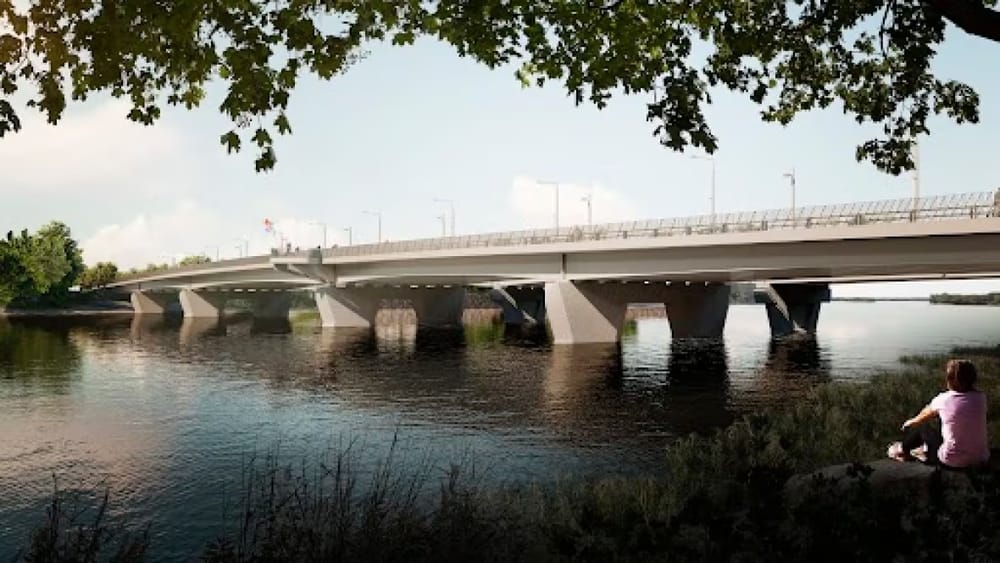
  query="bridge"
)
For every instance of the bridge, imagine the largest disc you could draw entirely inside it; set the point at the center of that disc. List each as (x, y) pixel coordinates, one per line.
(580, 279)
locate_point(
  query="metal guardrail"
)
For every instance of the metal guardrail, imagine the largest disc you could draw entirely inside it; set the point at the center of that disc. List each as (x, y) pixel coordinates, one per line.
(935, 208)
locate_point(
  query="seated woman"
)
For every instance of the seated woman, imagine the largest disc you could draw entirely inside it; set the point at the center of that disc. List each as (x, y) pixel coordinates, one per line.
(962, 441)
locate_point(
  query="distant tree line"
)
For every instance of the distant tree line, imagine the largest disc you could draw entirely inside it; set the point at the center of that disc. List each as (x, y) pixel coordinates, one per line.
(40, 269)
(959, 299)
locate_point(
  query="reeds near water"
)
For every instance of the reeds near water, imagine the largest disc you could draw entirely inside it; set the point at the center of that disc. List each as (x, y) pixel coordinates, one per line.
(719, 498)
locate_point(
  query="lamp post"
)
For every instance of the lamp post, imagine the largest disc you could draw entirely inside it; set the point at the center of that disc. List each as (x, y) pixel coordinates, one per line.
(556, 186)
(444, 224)
(791, 179)
(350, 235)
(320, 224)
(711, 197)
(451, 211)
(589, 200)
(378, 215)
(916, 178)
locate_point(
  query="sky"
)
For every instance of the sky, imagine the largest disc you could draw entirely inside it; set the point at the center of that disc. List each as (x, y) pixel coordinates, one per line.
(408, 125)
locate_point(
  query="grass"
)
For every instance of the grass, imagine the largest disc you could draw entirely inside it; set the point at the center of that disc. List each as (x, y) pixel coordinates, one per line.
(719, 498)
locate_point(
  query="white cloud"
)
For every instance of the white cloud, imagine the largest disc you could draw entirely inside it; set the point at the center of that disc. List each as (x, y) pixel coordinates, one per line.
(156, 237)
(533, 203)
(97, 150)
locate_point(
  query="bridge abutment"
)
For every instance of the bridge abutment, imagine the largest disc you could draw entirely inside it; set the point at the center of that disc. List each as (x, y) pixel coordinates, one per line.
(202, 304)
(793, 308)
(520, 305)
(147, 303)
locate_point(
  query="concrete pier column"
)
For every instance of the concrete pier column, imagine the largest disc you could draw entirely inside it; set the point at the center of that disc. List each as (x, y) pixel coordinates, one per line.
(147, 303)
(271, 304)
(584, 313)
(697, 310)
(202, 304)
(793, 308)
(520, 305)
(347, 307)
(438, 307)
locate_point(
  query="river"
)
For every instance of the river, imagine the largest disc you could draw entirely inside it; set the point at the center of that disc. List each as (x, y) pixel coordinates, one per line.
(165, 414)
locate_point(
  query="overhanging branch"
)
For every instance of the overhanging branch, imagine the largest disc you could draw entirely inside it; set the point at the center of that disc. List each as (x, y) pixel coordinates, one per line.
(970, 16)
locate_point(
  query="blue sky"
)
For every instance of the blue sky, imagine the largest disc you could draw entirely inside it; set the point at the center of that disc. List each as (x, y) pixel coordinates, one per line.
(410, 124)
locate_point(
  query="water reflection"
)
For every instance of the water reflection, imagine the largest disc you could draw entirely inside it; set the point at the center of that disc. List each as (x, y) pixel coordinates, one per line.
(37, 351)
(194, 329)
(697, 394)
(800, 356)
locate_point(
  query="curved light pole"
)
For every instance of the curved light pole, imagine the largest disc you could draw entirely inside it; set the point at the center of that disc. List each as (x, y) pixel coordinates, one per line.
(451, 210)
(444, 224)
(378, 215)
(320, 224)
(556, 186)
(791, 178)
(711, 197)
(350, 235)
(589, 200)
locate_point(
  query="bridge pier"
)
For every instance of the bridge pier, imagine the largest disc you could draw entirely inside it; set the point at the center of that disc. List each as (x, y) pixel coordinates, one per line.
(590, 312)
(202, 304)
(271, 304)
(520, 305)
(793, 308)
(147, 303)
(697, 310)
(356, 307)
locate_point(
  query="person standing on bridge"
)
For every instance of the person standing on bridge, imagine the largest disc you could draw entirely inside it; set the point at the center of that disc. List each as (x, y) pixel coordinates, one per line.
(962, 440)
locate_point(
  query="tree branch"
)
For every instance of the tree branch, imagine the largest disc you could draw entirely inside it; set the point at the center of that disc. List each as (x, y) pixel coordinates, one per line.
(970, 16)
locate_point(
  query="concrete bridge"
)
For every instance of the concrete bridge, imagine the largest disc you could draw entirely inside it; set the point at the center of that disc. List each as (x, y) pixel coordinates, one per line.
(581, 279)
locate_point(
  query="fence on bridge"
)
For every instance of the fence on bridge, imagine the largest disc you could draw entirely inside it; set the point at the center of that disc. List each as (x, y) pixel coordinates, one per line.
(934, 208)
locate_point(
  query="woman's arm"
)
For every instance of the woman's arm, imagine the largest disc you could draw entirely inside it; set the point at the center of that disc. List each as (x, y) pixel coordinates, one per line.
(924, 415)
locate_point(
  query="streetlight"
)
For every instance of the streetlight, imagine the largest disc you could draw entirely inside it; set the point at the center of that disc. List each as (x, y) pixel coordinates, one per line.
(378, 215)
(916, 178)
(589, 199)
(451, 210)
(556, 186)
(210, 248)
(791, 178)
(711, 197)
(320, 224)
(350, 235)
(444, 228)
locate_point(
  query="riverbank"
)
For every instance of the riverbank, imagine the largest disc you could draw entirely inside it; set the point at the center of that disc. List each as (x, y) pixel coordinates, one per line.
(76, 310)
(719, 498)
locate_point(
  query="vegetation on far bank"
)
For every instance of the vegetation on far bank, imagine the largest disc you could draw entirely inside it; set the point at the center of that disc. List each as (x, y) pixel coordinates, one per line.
(992, 298)
(720, 498)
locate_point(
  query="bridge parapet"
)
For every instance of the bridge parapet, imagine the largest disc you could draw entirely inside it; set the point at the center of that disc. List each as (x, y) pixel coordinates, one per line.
(906, 210)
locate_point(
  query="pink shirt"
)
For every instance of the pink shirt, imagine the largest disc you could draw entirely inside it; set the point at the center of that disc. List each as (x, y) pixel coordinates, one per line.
(963, 427)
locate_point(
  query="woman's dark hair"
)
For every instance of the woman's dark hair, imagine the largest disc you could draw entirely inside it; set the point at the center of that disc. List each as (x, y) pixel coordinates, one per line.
(961, 375)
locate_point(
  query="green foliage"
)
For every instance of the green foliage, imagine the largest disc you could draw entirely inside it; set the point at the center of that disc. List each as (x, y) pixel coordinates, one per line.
(194, 260)
(98, 275)
(959, 299)
(872, 58)
(39, 269)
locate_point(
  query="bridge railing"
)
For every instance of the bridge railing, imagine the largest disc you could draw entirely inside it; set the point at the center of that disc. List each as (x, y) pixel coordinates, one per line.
(934, 208)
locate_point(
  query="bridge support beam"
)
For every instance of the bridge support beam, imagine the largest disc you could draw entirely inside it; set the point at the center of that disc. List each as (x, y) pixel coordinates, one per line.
(347, 307)
(697, 310)
(437, 307)
(271, 304)
(202, 304)
(146, 303)
(356, 307)
(590, 312)
(793, 308)
(520, 305)
(585, 313)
